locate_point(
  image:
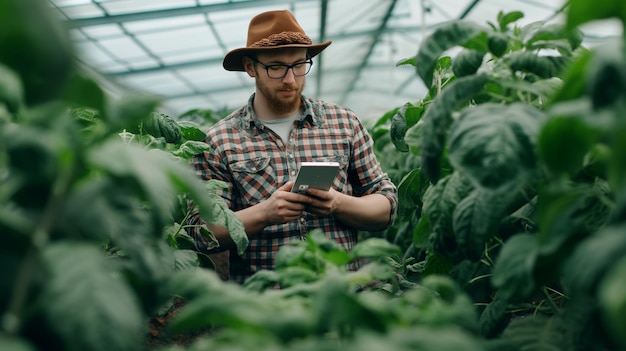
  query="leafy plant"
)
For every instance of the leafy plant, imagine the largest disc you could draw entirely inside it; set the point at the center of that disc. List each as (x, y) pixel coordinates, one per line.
(85, 213)
(521, 146)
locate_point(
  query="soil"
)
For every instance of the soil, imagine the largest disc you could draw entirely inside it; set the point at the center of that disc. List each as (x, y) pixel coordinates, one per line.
(157, 335)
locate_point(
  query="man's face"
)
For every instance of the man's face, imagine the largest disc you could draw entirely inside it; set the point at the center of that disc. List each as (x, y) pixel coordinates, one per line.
(282, 95)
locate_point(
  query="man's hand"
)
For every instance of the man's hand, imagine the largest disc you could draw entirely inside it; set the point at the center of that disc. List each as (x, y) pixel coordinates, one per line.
(284, 206)
(323, 202)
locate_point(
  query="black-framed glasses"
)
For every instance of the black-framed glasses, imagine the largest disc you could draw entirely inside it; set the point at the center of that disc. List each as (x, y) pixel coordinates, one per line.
(280, 71)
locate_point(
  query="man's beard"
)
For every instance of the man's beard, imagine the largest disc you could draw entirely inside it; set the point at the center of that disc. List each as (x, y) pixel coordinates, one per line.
(277, 105)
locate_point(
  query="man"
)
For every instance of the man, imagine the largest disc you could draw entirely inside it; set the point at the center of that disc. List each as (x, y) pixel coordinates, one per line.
(257, 149)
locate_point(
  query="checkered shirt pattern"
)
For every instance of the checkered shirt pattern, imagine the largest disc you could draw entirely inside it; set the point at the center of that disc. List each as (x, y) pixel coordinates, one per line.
(254, 162)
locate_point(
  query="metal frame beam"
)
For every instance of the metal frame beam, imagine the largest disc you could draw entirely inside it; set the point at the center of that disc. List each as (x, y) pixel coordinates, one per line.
(183, 11)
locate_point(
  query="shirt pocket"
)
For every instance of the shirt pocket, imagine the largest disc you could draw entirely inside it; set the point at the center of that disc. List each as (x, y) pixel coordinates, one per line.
(254, 178)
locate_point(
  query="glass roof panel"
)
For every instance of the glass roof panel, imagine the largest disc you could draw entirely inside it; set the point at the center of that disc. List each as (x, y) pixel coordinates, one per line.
(175, 47)
(114, 7)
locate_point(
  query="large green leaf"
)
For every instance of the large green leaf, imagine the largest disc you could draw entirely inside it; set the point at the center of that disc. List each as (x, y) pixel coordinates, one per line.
(555, 32)
(375, 249)
(101, 209)
(37, 46)
(15, 344)
(568, 214)
(440, 201)
(467, 62)
(438, 119)
(410, 191)
(593, 258)
(495, 144)
(606, 75)
(213, 208)
(612, 296)
(513, 271)
(538, 333)
(564, 141)
(149, 169)
(129, 110)
(476, 219)
(541, 66)
(447, 36)
(86, 303)
(583, 11)
(11, 89)
(406, 117)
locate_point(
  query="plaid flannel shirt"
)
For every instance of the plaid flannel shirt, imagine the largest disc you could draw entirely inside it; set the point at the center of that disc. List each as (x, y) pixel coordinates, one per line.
(254, 161)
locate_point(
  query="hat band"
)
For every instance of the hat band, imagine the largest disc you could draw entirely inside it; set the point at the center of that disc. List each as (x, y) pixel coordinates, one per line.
(283, 38)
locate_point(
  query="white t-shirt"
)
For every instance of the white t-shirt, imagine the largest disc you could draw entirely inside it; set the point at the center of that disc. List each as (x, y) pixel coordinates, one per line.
(282, 126)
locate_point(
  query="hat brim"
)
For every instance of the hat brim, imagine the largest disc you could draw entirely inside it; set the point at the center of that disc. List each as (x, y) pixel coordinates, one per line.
(233, 61)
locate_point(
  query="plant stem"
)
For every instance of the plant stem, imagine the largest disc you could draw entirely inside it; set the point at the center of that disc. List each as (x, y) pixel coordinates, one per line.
(549, 299)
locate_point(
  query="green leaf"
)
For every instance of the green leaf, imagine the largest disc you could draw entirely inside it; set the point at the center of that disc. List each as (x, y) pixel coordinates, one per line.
(494, 317)
(293, 276)
(149, 169)
(11, 89)
(612, 297)
(190, 148)
(247, 312)
(375, 249)
(541, 66)
(606, 75)
(564, 141)
(467, 62)
(191, 131)
(438, 119)
(446, 36)
(617, 165)
(583, 11)
(8, 343)
(537, 332)
(593, 257)
(504, 19)
(514, 267)
(87, 305)
(289, 255)
(37, 46)
(574, 78)
(130, 110)
(103, 209)
(405, 117)
(410, 194)
(476, 219)
(498, 43)
(553, 33)
(185, 259)
(213, 208)
(495, 144)
(543, 88)
(568, 214)
(407, 61)
(440, 201)
(85, 92)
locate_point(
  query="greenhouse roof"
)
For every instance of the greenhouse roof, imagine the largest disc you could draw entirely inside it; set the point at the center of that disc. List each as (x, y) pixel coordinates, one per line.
(175, 48)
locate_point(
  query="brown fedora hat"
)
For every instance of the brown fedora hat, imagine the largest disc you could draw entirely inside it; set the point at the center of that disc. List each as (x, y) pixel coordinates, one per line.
(269, 31)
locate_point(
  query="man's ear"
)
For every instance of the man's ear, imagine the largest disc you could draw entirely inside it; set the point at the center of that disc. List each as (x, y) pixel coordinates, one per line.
(248, 65)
